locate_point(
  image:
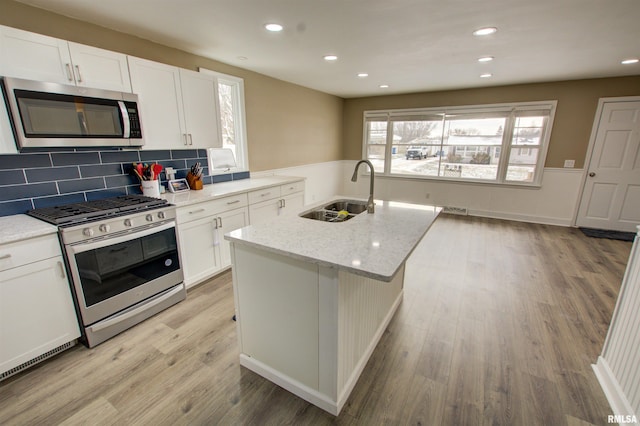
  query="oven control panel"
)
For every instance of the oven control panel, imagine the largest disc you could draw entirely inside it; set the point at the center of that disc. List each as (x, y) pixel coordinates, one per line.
(109, 227)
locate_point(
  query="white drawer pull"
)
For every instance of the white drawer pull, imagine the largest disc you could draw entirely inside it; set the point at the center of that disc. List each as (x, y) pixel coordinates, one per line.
(265, 194)
(233, 202)
(5, 256)
(196, 211)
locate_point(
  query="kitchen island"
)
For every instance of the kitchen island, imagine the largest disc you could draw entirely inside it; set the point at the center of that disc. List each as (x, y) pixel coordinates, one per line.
(313, 298)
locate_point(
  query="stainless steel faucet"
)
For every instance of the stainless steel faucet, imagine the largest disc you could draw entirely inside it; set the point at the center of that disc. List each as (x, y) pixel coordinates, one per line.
(354, 178)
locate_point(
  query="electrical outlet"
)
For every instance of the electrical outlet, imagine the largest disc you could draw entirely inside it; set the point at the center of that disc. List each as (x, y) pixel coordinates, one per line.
(569, 164)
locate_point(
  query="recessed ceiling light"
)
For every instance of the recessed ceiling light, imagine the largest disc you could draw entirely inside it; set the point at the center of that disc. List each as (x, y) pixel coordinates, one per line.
(330, 58)
(485, 59)
(384, 86)
(486, 75)
(630, 61)
(363, 75)
(273, 27)
(485, 31)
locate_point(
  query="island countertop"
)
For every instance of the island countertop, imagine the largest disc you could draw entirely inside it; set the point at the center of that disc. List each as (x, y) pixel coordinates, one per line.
(372, 245)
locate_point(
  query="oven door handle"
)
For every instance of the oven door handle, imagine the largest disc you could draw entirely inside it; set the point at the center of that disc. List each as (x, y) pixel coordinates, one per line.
(138, 309)
(132, 235)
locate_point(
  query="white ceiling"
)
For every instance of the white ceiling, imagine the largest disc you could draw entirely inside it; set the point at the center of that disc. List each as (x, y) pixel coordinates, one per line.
(411, 45)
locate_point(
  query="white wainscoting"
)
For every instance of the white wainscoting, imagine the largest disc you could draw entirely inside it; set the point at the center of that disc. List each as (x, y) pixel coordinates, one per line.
(554, 203)
(323, 180)
(618, 368)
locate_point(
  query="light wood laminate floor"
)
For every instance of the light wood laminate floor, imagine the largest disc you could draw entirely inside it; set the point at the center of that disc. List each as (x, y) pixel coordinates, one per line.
(500, 324)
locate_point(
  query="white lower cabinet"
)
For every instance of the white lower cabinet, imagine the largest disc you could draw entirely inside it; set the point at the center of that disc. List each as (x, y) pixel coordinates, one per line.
(277, 201)
(36, 307)
(201, 229)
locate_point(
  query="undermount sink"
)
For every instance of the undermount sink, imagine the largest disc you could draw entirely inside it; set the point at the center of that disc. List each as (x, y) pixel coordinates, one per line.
(334, 212)
(353, 207)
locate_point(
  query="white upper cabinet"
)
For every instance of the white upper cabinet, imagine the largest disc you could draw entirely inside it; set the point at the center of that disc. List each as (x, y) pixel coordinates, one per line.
(199, 97)
(179, 107)
(104, 69)
(160, 96)
(27, 55)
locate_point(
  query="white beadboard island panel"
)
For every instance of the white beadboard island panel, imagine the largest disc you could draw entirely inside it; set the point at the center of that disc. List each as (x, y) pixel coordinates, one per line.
(313, 298)
(618, 367)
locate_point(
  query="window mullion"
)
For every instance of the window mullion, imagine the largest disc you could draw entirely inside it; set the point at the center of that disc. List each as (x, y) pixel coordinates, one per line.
(388, 147)
(505, 150)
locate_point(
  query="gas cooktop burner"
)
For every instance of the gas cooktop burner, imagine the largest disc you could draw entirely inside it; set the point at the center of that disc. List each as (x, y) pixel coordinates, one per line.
(97, 209)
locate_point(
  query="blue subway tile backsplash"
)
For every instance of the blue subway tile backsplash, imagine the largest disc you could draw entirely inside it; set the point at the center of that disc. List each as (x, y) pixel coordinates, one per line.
(44, 179)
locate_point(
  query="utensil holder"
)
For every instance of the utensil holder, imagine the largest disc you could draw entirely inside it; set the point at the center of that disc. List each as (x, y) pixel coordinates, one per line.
(194, 182)
(150, 188)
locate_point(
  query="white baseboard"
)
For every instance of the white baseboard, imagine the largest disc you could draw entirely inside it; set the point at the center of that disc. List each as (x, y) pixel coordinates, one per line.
(612, 390)
(568, 222)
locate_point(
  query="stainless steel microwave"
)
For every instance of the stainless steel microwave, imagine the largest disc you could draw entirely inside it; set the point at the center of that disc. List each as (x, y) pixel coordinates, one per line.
(49, 115)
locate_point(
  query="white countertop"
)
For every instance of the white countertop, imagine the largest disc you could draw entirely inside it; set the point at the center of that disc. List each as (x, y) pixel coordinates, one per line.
(223, 189)
(372, 245)
(21, 227)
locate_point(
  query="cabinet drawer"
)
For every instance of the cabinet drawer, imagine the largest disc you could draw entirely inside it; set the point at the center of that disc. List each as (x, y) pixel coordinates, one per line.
(290, 188)
(210, 208)
(264, 194)
(29, 251)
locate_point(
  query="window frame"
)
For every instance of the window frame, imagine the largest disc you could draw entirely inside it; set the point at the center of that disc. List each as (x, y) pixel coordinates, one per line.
(511, 111)
(239, 118)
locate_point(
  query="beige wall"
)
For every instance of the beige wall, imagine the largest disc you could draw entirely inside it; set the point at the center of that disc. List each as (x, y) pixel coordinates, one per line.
(577, 103)
(287, 125)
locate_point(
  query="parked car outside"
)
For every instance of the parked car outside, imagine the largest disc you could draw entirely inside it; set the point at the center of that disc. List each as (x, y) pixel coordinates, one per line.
(418, 152)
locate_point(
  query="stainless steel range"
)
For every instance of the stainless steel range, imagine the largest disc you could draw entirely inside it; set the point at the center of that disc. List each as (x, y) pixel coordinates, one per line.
(122, 256)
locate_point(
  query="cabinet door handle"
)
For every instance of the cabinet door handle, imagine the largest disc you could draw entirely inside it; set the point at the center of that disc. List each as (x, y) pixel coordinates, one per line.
(184, 135)
(220, 219)
(62, 273)
(196, 211)
(232, 202)
(78, 75)
(5, 256)
(190, 139)
(69, 73)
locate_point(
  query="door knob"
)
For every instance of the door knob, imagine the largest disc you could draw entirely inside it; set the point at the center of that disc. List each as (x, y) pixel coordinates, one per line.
(592, 174)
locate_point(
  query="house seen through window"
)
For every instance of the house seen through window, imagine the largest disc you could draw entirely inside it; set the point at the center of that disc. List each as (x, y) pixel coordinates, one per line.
(488, 143)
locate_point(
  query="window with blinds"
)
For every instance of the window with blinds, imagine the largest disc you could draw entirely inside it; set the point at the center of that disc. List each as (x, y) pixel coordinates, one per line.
(504, 143)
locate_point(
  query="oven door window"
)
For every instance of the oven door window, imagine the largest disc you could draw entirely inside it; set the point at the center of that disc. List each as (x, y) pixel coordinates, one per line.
(108, 271)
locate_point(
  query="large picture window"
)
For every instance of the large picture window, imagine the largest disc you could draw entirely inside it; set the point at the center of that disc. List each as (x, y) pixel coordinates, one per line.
(503, 143)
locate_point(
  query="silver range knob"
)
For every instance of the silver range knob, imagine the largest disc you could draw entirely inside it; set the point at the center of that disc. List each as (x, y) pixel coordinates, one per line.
(127, 222)
(149, 218)
(87, 232)
(104, 228)
(161, 215)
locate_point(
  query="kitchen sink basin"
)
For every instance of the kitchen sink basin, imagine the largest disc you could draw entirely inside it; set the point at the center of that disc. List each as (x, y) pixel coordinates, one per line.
(352, 206)
(335, 212)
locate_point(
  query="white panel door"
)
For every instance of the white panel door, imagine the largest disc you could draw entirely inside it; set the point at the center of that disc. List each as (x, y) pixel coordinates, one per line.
(611, 195)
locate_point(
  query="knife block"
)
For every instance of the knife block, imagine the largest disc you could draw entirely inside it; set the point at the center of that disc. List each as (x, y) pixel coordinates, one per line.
(194, 182)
